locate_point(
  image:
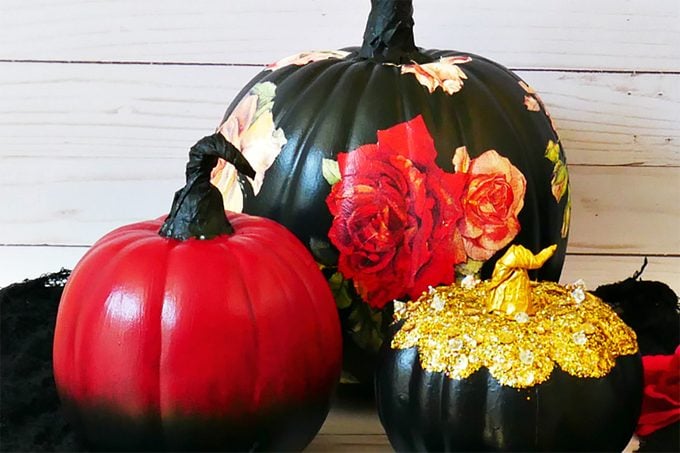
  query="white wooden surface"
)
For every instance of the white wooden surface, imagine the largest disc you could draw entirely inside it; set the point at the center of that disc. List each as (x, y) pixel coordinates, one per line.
(100, 100)
(601, 34)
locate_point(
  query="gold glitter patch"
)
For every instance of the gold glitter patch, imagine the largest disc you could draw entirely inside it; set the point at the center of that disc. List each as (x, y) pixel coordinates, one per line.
(457, 335)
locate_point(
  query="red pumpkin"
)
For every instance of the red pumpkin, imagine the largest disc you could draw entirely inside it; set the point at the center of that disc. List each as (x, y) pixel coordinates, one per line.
(168, 341)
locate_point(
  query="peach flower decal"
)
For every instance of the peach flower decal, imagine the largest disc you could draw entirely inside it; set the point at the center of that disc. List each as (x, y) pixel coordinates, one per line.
(444, 74)
(250, 128)
(303, 58)
(534, 103)
(492, 199)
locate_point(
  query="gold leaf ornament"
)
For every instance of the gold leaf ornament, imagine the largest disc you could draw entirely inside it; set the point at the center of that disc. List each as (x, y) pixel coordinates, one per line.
(459, 329)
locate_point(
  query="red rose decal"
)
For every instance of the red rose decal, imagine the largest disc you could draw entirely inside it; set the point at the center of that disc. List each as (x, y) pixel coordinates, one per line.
(395, 215)
(493, 197)
(661, 398)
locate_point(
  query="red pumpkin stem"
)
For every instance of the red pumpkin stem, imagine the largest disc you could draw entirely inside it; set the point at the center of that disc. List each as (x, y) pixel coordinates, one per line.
(198, 208)
(389, 33)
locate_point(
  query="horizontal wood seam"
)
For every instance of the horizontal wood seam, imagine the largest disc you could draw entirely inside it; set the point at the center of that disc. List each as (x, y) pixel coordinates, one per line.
(612, 254)
(256, 65)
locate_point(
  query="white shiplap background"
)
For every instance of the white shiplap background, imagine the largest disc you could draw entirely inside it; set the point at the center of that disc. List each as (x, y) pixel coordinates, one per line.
(100, 101)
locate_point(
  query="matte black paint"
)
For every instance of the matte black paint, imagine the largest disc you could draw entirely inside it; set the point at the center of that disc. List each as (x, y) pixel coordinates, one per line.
(424, 411)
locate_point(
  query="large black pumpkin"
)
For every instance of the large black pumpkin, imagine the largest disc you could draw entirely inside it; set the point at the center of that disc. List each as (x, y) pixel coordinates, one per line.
(398, 167)
(509, 365)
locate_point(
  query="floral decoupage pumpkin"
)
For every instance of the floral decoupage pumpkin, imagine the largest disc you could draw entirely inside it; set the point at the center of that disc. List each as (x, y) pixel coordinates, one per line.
(198, 332)
(509, 364)
(398, 167)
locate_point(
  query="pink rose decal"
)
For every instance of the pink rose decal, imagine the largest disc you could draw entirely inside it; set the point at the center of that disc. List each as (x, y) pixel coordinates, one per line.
(251, 129)
(492, 199)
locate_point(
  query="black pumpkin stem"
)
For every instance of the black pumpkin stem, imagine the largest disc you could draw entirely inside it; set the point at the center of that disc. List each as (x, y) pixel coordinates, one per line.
(389, 33)
(198, 208)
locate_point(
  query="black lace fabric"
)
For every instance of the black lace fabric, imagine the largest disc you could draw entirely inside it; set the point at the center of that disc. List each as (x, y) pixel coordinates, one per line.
(30, 418)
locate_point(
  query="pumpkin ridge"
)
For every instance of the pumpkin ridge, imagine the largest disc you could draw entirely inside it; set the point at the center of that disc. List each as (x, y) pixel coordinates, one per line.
(297, 312)
(235, 253)
(320, 342)
(162, 415)
(305, 148)
(353, 105)
(415, 386)
(294, 153)
(444, 405)
(310, 76)
(405, 108)
(99, 279)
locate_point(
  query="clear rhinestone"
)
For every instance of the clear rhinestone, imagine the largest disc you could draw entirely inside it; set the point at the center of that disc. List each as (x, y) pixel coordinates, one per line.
(579, 284)
(578, 295)
(469, 340)
(580, 338)
(469, 282)
(399, 307)
(526, 357)
(435, 351)
(455, 344)
(461, 363)
(438, 303)
(521, 317)
(528, 379)
(430, 290)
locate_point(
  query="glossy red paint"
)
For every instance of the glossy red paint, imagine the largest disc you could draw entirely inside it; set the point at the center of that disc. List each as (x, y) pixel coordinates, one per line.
(230, 326)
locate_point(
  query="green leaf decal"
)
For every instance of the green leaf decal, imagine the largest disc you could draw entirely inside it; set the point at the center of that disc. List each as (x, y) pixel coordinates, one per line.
(559, 183)
(340, 288)
(331, 171)
(265, 92)
(365, 326)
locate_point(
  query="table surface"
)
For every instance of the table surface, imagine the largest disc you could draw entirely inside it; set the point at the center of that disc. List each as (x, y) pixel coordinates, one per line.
(353, 425)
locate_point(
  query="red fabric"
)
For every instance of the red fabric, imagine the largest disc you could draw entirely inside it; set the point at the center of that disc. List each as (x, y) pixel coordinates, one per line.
(661, 400)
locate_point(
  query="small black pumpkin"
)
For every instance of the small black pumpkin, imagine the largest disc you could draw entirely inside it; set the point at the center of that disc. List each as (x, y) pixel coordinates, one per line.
(455, 377)
(396, 166)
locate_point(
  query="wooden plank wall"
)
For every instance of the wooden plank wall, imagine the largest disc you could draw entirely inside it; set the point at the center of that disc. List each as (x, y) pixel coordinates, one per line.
(99, 102)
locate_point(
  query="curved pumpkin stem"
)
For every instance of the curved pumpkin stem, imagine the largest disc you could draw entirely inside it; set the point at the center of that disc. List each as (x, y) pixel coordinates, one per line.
(510, 289)
(198, 209)
(389, 33)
